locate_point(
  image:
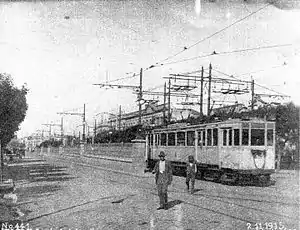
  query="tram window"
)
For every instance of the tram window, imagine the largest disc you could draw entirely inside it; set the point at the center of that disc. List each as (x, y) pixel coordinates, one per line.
(181, 138)
(156, 139)
(171, 139)
(203, 138)
(151, 139)
(190, 138)
(257, 137)
(245, 137)
(236, 138)
(270, 125)
(270, 137)
(215, 137)
(209, 137)
(230, 137)
(224, 137)
(164, 139)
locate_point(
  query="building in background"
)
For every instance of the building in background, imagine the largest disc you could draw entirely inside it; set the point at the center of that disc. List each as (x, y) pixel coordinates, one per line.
(152, 115)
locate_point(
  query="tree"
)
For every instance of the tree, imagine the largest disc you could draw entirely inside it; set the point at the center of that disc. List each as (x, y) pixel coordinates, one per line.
(13, 108)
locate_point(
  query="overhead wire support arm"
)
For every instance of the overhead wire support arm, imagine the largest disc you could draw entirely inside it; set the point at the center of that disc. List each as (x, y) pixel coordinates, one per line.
(117, 85)
(83, 120)
(138, 89)
(66, 113)
(198, 78)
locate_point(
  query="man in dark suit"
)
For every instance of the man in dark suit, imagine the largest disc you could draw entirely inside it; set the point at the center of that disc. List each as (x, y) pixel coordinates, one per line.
(191, 171)
(163, 178)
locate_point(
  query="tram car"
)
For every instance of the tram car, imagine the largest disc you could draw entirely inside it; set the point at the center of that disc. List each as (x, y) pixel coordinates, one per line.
(228, 151)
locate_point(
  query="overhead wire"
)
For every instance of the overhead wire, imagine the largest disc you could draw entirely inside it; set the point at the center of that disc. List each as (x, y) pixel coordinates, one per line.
(214, 53)
(210, 36)
(280, 94)
(261, 70)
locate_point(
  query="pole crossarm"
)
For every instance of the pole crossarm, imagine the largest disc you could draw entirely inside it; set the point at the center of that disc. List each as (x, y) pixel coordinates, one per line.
(172, 94)
(51, 124)
(215, 80)
(198, 78)
(67, 113)
(118, 86)
(106, 113)
(272, 95)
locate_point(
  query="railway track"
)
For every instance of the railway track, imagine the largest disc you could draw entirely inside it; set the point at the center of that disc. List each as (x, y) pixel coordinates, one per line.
(244, 210)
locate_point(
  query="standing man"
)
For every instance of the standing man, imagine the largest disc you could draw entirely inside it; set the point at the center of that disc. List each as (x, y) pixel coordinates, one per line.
(163, 178)
(191, 170)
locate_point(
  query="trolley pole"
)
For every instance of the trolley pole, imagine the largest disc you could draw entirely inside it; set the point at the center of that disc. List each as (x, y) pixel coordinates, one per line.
(209, 90)
(201, 93)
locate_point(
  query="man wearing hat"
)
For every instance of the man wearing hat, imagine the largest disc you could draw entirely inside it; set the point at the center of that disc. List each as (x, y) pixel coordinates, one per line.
(163, 178)
(191, 171)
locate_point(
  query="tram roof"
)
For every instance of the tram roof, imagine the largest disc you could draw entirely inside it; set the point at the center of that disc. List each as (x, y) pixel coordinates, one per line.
(184, 126)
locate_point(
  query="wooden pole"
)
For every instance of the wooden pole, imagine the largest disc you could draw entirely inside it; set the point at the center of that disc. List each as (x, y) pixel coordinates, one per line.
(209, 91)
(201, 93)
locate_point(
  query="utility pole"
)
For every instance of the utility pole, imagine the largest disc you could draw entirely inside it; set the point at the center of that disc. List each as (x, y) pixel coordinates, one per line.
(169, 102)
(140, 96)
(83, 120)
(120, 114)
(201, 92)
(83, 125)
(137, 89)
(209, 90)
(165, 98)
(252, 94)
(50, 125)
(62, 129)
(95, 131)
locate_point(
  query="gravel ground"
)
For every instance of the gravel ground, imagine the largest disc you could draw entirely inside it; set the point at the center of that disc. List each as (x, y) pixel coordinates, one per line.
(61, 194)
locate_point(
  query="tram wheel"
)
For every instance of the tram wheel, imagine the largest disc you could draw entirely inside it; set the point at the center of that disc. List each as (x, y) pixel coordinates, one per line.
(263, 180)
(199, 175)
(229, 178)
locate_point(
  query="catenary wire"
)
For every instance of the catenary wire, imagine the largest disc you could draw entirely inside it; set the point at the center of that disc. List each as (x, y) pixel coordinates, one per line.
(214, 53)
(212, 35)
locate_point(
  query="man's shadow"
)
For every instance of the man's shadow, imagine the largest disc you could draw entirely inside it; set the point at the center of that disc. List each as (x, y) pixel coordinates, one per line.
(173, 203)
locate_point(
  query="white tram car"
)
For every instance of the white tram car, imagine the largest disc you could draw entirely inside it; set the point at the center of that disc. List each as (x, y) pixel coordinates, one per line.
(230, 150)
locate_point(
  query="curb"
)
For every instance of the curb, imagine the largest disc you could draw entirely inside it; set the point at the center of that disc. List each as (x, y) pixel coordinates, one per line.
(142, 175)
(125, 160)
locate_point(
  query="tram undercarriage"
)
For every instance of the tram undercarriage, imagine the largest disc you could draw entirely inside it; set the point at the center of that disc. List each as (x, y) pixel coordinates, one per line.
(224, 176)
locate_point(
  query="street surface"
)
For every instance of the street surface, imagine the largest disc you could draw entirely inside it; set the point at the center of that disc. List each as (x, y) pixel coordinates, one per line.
(60, 194)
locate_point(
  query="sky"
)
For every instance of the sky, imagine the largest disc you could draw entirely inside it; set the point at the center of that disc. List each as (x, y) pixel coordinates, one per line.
(61, 48)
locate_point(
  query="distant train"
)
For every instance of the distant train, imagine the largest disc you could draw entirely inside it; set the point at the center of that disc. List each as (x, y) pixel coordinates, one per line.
(228, 151)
